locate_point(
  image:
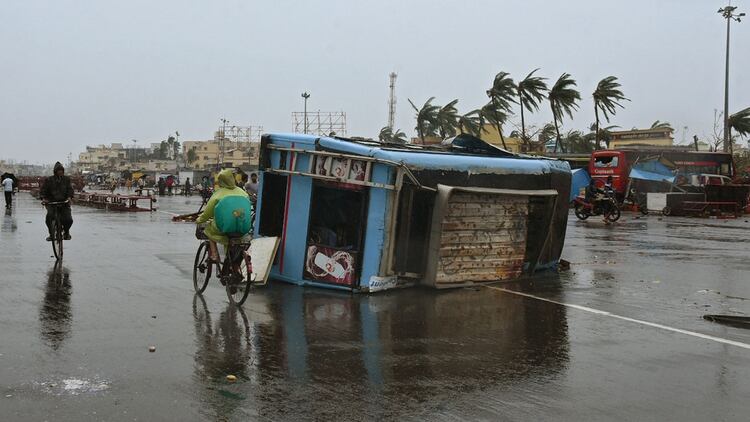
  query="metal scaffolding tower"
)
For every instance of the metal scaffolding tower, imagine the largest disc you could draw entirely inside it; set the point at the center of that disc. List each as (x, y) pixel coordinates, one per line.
(321, 123)
(392, 101)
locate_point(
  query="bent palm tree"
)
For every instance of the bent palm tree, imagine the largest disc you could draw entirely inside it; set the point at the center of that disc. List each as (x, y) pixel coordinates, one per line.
(740, 122)
(389, 136)
(530, 94)
(562, 98)
(385, 135)
(607, 97)
(398, 137)
(446, 118)
(502, 95)
(491, 114)
(471, 123)
(426, 117)
(660, 125)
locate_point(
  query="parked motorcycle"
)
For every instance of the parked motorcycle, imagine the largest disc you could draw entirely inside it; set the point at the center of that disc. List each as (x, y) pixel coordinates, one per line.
(606, 206)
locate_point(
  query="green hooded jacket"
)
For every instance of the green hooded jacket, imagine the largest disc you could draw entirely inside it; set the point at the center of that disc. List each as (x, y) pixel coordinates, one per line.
(227, 187)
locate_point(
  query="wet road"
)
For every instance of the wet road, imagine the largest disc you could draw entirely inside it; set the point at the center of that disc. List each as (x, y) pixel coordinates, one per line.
(74, 341)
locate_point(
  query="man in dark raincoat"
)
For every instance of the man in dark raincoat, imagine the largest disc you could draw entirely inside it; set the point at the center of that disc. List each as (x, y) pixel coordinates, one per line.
(58, 188)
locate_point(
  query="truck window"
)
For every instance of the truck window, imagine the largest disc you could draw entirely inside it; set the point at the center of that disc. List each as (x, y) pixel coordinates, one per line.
(606, 161)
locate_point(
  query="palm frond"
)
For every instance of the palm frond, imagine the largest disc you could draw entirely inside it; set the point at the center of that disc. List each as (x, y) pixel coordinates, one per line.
(740, 122)
(531, 91)
(608, 96)
(563, 97)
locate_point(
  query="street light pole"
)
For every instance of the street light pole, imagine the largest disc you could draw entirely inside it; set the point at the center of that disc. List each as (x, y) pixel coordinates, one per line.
(305, 95)
(729, 15)
(221, 142)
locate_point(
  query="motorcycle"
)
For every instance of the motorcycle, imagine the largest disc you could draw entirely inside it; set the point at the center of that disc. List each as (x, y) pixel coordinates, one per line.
(606, 206)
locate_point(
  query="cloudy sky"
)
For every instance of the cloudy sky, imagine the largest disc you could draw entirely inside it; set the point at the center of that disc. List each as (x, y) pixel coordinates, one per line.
(77, 73)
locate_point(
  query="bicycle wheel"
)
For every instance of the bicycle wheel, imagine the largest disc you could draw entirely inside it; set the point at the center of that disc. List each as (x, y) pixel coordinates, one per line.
(202, 268)
(239, 283)
(57, 237)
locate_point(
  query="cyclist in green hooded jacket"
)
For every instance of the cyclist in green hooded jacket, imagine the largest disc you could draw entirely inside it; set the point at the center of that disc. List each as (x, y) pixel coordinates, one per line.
(228, 210)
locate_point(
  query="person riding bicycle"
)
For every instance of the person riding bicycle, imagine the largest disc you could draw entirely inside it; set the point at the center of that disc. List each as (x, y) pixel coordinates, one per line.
(227, 211)
(57, 188)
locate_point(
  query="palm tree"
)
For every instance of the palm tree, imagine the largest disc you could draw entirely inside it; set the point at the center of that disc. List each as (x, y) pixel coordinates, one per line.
(530, 94)
(607, 97)
(426, 118)
(471, 123)
(562, 98)
(740, 122)
(495, 116)
(446, 118)
(385, 135)
(388, 136)
(398, 137)
(660, 125)
(502, 95)
(577, 142)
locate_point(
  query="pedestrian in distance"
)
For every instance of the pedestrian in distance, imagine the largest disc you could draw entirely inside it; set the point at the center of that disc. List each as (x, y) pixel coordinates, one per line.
(187, 187)
(162, 186)
(8, 191)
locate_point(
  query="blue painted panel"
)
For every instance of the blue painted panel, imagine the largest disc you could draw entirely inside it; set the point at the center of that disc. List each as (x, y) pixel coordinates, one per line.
(375, 227)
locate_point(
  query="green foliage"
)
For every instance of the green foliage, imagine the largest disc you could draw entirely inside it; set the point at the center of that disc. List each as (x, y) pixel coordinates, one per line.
(563, 98)
(607, 96)
(446, 120)
(471, 123)
(740, 122)
(660, 125)
(191, 155)
(426, 118)
(388, 136)
(531, 91)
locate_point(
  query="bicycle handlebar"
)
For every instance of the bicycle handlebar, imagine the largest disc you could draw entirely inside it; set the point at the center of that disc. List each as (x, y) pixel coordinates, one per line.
(56, 203)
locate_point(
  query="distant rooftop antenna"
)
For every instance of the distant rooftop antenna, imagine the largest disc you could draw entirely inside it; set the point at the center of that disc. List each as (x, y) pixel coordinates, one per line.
(392, 101)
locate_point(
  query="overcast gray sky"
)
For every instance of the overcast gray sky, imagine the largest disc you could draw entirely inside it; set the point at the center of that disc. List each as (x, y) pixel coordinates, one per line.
(74, 73)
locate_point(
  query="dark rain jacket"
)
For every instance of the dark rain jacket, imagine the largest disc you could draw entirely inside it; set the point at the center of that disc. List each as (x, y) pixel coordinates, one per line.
(56, 188)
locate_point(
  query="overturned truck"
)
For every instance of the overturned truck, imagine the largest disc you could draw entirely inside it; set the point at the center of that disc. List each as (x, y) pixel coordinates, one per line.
(366, 216)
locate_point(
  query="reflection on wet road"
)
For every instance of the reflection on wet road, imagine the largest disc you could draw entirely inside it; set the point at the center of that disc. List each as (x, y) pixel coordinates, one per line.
(76, 337)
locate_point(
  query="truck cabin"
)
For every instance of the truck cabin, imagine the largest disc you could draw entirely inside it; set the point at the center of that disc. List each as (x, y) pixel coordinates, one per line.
(364, 216)
(610, 163)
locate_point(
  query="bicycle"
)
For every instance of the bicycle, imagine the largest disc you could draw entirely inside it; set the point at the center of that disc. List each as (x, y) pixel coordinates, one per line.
(57, 229)
(235, 272)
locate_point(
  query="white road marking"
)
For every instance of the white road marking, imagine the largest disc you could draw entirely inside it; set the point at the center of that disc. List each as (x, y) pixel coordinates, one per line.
(624, 318)
(167, 212)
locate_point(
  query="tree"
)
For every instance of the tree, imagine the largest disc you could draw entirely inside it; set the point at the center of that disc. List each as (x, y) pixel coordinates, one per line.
(577, 142)
(491, 114)
(426, 118)
(191, 155)
(502, 95)
(446, 119)
(398, 137)
(562, 99)
(385, 135)
(471, 123)
(388, 136)
(530, 94)
(607, 97)
(660, 125)
(740, 123)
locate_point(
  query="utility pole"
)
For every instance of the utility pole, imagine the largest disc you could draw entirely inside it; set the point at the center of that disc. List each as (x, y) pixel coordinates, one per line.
(221, 143)
(729, 15)
(392, 101)
(305, 95)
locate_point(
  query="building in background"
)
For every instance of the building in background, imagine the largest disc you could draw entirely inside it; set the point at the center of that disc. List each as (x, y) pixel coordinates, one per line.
(207, 154)
(655, 137)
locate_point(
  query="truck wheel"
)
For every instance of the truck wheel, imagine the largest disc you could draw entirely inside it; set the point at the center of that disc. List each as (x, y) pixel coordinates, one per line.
(666, 211)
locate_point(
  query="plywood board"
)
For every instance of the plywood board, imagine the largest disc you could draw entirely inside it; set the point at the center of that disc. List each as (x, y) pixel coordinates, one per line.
(262, 253)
